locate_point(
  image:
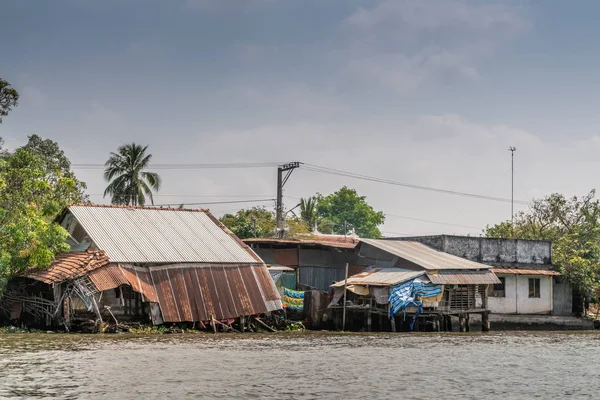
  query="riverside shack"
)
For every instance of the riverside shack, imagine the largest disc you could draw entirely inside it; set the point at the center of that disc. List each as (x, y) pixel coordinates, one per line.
(411, 279)
(142, 263)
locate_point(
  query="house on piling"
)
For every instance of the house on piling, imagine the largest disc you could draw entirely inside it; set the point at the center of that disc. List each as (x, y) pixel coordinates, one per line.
(413, 279)
(529, 282)
(144, 263)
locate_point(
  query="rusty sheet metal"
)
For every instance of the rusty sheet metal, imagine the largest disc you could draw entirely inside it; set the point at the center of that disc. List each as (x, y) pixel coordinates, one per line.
(463, 278)
(286, 256)
(338, 242)
(381, 277)
(69, 266)
(426, 257)
(514, 271)
(193, 292)
(108, 277)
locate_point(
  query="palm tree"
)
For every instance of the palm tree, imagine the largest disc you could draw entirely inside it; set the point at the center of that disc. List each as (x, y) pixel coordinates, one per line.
(308, 212)
(129, 183)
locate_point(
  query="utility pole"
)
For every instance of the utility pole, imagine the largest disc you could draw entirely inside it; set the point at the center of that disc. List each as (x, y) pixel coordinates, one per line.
(281, 181)
(512, 184)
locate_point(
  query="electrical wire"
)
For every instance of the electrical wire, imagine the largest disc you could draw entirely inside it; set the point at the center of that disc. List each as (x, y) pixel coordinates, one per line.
(431, 222)
(192, 166)
(213, 202)
(332, 171)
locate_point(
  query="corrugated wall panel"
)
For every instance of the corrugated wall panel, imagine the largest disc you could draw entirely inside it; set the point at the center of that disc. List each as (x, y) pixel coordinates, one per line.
(181, 296)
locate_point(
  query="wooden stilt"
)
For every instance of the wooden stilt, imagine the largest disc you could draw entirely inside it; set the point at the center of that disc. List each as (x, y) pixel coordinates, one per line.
(485, 322)
(369, 317)
(468, 323)
(393, 321)
(461, 323)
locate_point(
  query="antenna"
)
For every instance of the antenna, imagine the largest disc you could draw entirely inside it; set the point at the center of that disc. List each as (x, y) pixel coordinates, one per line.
(512, 150)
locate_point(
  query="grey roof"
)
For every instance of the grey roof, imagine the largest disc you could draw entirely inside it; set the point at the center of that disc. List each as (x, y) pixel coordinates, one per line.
(151, 235)
(424, 256)
(381, 277)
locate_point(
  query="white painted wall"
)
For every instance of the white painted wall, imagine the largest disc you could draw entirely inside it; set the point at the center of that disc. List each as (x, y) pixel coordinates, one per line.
(517, 300)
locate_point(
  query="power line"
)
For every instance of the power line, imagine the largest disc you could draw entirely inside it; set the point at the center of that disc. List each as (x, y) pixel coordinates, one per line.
(185, 166)
(332, 171)
(213, 202)
(432, 222)
(194, 196)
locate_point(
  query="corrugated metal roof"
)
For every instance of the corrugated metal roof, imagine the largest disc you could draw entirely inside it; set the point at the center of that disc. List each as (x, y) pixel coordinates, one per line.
(70, 266)
(153, 235)
(342, 242)
(424, 256)
(514, 271)
(463, 278)
(381, 277)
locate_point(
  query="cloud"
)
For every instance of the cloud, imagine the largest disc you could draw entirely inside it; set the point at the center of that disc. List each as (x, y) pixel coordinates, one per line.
(225, 5)
(404, 44)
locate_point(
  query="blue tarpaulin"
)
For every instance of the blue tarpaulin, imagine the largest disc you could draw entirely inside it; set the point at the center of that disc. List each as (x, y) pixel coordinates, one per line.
(403, 295)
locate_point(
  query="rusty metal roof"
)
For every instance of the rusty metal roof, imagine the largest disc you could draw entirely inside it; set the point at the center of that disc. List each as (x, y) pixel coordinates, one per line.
(194, 292)
(424, 256)
(154, 235)
(70, 266)
(463, 278)
(342, 243)
(381, 277)
(515, 271)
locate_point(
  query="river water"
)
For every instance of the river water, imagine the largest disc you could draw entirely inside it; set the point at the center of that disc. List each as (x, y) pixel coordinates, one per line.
(301, 365)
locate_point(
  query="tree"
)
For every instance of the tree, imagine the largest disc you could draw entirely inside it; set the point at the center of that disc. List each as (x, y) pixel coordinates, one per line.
(250, 223)
(308, 212)
(9, 98)
(345, 209)
(573, 225)
(258, 222)
(33, 190)
(129, 182)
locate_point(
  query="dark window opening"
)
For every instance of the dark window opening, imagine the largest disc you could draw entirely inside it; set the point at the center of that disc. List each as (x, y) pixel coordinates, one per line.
(534, 287)
(499, 289)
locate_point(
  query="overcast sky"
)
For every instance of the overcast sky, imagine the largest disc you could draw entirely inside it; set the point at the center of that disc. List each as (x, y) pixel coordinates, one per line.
(425, 92)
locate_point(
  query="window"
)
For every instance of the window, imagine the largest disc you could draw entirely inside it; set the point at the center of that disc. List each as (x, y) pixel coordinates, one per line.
(500, 288)
(534, 287)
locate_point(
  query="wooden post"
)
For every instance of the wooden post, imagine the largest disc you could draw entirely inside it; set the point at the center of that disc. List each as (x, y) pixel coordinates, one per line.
(485, 321)
(369, 320)
(242, 324)
(468, 323)
(449, 323)
(461, 323)
(345, 285)
(393, 321)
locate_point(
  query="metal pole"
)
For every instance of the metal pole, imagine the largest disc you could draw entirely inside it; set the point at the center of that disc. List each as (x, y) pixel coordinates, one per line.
(512, 184)
(344, 314)
(279, 206)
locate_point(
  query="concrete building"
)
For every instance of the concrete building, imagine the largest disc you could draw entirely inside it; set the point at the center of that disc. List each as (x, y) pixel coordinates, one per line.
(530, 284)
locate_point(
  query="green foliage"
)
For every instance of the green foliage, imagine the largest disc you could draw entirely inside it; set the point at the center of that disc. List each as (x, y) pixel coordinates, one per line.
(9, 98)
(129, 182)
(308, 211)
(574, 227)
(35, 185)
(345, 208)
(250, 223)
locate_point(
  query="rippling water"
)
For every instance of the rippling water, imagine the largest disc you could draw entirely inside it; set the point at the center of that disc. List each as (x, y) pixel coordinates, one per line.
(310, 365)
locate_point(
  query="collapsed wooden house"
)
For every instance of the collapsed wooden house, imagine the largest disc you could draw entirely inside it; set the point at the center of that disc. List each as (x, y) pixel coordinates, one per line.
(136, 263)
(415, 280)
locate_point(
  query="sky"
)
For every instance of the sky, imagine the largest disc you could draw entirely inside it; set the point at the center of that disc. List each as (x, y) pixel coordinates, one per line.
(430, 93)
